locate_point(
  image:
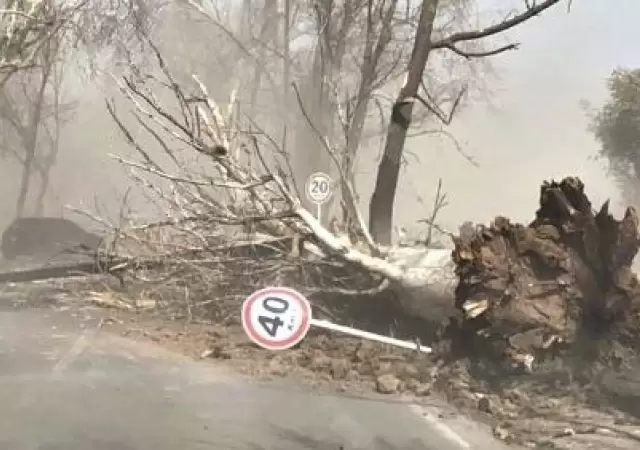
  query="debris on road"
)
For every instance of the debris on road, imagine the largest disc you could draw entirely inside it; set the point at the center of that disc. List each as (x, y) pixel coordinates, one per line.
(541, 338)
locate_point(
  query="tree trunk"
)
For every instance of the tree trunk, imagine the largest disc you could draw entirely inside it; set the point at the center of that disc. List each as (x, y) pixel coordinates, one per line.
(49, 161)
(30, 140)
(381, 205)
(27, 171)
(45, 171)
(268, 34)
(286, 47)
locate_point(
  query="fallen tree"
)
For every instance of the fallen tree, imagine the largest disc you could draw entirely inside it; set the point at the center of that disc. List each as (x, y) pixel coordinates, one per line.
(563, 281)
(522, 291)
(524, 295)
(241, 186)
(560, 286)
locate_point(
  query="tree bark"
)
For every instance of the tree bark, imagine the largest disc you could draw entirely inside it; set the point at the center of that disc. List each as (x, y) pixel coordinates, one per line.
(382, 200)
(374, 49)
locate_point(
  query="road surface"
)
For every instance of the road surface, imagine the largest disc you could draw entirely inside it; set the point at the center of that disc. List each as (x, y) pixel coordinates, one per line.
(66, 385)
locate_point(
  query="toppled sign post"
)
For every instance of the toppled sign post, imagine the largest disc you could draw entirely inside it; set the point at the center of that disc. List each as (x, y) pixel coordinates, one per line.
(278, 318)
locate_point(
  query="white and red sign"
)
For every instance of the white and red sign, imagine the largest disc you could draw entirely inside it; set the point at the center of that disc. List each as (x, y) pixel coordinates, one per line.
(319, 188)
(276, 318)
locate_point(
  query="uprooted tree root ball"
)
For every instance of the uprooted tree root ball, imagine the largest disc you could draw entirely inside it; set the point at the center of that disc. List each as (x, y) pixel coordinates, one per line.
(532, 292)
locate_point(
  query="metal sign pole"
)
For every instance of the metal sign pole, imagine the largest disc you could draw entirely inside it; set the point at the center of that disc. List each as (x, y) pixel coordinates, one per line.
(318, 189)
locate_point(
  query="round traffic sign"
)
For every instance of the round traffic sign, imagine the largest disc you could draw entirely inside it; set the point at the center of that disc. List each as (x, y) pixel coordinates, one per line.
(276, 318)
(319, 188)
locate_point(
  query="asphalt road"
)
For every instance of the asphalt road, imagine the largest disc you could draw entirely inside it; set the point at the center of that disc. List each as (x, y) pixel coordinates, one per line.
(65, 385)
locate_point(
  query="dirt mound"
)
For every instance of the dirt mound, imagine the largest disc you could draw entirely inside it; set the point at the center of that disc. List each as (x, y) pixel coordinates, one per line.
(526, 292)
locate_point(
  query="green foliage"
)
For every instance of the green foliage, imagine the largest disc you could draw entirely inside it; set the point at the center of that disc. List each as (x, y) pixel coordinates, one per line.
(617, 125)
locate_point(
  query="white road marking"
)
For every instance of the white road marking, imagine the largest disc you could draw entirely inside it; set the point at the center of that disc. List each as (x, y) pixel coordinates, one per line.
(78, 347)
(440, 426)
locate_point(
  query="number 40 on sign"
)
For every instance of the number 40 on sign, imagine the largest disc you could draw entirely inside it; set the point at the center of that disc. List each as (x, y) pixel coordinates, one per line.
(277, 318)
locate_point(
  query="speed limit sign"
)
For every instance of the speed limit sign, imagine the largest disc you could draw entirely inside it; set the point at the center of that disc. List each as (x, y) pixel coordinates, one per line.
(276, 318)
(318, 188)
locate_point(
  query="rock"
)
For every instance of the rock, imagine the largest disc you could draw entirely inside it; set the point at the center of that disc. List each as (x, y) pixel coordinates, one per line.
(423, 389)
(516, 395)
(278, 367)
(218, 332)
(319, 361)
(363, 352)
(145, 303)
(387, 384)
(219, 352)
(321, 341)
(412, 384)
(501, 433)
(409, 371)
(566, 432)
(384, 368)
(352, 375)
(339, 369)
(206, 354)
(484, 405)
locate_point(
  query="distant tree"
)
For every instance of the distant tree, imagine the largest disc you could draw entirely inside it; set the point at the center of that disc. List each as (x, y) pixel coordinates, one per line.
(38, 40)
(616, 126)
(323, 71)
(343, 59)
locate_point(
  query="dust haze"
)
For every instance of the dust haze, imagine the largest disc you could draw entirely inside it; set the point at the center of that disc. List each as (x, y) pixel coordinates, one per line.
(534, 128)
(531, 127)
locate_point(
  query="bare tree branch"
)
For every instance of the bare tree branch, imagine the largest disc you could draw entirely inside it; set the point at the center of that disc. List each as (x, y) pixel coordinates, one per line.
(436, 110)
(532, 10)
(481, 54)
(439, 202)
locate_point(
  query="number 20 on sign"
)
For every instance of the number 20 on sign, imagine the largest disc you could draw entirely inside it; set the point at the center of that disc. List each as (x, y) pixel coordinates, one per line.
(276, 318)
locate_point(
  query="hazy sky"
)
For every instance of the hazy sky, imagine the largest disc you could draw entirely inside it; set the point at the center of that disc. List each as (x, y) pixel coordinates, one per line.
(535, 130)
(538, 130)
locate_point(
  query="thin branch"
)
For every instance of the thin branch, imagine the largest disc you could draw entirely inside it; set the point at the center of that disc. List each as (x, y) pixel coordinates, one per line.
(531, 11)
(469, 55)
(452, 138)
(155, 171)
(439, 202)
(431, 106)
